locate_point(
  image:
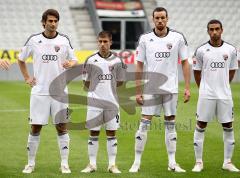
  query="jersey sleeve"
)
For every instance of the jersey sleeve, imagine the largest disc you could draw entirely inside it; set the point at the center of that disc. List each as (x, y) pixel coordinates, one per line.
(141, 50)
(234, 60)
(183, 49)
(197, 60)
(26, 50)
(121, 71)
(71, 55)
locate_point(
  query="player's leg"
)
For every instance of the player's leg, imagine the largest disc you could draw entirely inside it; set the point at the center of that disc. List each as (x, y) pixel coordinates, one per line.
(206, 110)
(170, 108)
(225, 116)
(94, 118)
(198, 145)
(140, 141)
(39, 113)
(60, 116)
(112, 123)
(63, 144)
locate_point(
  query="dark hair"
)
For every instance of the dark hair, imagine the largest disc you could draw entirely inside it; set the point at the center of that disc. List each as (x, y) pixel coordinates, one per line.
(52, 12)
(159, 9)
(214, 21)
(104, 34)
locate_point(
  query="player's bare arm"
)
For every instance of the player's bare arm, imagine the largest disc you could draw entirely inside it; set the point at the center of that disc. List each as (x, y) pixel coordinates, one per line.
(29, 80)
(186, 75)
(139, 70)
(231, 75)
(4, 64)
(197, 76)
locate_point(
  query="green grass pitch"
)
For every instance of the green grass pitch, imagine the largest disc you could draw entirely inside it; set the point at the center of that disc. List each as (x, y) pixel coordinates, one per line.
(14, 129)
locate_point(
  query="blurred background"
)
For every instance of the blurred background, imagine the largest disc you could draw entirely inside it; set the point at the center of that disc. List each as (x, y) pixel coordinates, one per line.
(81, 20)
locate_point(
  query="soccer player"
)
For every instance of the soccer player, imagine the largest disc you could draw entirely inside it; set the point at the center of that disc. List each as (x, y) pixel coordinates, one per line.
(4, 64)
(105, 72)
(159, 51)
(52, 53)
(215, 63)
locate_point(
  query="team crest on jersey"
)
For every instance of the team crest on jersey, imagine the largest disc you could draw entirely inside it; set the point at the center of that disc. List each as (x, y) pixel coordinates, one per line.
(169, 46)
(57, 48)
(225, 57)
(110, 68)
(208, 50)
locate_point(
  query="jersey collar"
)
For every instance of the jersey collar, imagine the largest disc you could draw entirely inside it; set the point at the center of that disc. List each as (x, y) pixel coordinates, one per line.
(159, 36)
(49, 37)
(215, 46)
(104, 57)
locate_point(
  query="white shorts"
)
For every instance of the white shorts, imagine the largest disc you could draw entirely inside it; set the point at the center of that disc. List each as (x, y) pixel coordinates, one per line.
(108, 118)
(167, 102)
(208, 108)
(43, 106)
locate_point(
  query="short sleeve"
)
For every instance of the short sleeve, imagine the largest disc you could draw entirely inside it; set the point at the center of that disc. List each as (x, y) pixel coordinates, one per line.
(71, 55)
(26, 50)
(141, 50)
(197, 60)
(234, 60)
(183, 49)
(87, 70)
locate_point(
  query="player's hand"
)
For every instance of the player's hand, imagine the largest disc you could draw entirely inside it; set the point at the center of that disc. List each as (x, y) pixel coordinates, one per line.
(31, 81)
(186, 95)
(139, 99)
(67, 64)
(4, 64)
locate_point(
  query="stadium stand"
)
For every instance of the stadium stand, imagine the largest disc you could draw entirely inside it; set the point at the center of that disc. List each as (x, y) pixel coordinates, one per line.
(191, 17)
(21, 18)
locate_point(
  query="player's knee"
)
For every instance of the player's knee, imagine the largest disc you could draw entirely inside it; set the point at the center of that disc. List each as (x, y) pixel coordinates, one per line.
(201, 124)
(36, 129)
(169, 118)
(227, 125)
(110, 133)
(61, 128)
(94, 133)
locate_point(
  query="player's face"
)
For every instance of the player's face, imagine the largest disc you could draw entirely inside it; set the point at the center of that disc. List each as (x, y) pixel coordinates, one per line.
(104, 44)
(160, 20)
(51, 23)
(215, 31)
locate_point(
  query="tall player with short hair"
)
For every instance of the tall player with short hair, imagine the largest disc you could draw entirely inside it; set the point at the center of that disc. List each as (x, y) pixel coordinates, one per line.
(52, 54)
(215, 63)
(159, 51)
(105, 72)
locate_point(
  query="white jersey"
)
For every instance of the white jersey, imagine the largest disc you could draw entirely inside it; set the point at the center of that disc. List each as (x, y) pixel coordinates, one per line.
(161, 55)
(103, 75)
(48, 55)
(215, 63)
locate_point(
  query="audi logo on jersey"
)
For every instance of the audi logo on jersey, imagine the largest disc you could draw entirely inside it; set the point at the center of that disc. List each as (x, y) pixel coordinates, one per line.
(217, 65)
(105, 77)
(162, 54)
(47, 58)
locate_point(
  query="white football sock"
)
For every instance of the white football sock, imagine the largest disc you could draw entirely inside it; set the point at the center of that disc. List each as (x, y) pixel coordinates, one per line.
(198, 143)
(32, 147)
(228, 138)
(112, 149)
(141, 139)
(170, 141)
(93, 149)
(63, 143)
